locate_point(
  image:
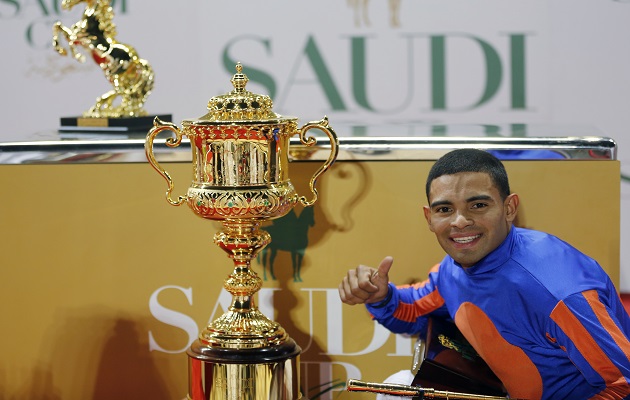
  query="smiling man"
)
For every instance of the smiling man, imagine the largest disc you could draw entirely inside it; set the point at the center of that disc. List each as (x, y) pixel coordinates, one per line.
(545, 317)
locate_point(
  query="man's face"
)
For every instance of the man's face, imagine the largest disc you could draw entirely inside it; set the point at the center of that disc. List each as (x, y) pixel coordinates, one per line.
(467, 215)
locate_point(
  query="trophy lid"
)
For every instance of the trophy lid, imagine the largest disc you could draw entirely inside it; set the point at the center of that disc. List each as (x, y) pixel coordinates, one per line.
(240, 105)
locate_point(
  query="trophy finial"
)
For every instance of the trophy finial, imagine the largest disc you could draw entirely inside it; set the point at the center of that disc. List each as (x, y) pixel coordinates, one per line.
(239, 80)
(240, 104)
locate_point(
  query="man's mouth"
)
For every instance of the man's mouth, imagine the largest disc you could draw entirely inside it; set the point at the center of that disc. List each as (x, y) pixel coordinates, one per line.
(465, 239)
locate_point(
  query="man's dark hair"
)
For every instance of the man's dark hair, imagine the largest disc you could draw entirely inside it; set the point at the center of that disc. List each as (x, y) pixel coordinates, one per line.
(471, 160)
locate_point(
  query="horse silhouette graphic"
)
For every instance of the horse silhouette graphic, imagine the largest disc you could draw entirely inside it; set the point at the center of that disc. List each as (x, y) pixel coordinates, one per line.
(290, 234)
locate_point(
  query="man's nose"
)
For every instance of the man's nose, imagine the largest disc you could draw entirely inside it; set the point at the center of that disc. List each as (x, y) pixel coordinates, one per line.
(461, 220)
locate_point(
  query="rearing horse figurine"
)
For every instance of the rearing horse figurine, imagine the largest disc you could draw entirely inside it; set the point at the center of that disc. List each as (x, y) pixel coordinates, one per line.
(130, 75)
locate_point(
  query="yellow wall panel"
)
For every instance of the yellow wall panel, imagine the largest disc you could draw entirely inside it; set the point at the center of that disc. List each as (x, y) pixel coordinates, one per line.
(94, 259)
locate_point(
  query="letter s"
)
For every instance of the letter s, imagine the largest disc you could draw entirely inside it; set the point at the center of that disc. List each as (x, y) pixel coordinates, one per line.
(173, 318)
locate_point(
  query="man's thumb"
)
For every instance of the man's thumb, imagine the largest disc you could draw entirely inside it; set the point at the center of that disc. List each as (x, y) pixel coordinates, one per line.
(385, 265)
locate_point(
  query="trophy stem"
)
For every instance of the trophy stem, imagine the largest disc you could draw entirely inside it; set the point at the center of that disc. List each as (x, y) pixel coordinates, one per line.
(242, 239)
(243, 326)
(243, 355)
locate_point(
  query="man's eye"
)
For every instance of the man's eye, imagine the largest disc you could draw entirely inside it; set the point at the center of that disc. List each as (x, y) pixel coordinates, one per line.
(442, 209)
(479, 205)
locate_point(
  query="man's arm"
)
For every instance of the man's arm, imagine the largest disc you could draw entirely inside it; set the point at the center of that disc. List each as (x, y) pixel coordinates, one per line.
(593, 332)
(406, 308)
(402, 309)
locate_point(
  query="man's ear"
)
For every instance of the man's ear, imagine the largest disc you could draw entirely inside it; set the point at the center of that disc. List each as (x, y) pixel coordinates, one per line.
(427, 216)
(511, 207)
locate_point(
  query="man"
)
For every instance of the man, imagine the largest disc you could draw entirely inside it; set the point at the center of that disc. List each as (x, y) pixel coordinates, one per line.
(545, 317)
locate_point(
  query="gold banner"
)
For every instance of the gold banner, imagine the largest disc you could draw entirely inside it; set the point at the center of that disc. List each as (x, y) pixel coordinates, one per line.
(103, 286)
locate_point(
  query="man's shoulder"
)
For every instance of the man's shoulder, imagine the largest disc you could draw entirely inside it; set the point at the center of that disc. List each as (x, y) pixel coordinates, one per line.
(554, 263)
(542, 242)
(533, 234)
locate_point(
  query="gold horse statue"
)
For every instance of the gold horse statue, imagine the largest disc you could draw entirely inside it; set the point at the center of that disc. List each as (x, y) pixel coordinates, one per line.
(130, 75)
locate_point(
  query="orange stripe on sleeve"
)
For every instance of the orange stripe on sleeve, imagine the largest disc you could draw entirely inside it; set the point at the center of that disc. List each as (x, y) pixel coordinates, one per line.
(589, 348)
(604, 319)
(409, 312)
(419, 285)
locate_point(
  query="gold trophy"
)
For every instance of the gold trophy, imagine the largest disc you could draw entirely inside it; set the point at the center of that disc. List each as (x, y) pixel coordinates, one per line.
(240, 157)
(131, 76)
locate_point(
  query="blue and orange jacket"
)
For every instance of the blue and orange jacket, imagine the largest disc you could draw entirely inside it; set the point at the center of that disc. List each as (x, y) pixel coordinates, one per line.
(545, 317)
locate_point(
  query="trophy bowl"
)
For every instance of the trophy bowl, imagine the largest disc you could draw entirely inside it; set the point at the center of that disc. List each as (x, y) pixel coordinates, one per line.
(240, 160)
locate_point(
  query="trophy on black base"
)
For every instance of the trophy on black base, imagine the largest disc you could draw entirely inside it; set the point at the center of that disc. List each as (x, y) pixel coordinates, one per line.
(240, 159)
(131, 76)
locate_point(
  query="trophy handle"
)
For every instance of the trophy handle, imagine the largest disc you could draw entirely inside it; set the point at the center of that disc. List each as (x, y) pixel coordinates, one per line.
(159, 126)
(310, 141)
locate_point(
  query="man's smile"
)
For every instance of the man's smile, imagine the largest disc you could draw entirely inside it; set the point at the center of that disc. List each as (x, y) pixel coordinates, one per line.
(465, 239)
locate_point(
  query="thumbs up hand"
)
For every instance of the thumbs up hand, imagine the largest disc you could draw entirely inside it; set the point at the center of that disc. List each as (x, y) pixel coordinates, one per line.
(365, 285)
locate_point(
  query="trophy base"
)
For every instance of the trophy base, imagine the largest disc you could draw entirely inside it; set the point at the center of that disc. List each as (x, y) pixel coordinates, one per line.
(110, 124)
(271, 373)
